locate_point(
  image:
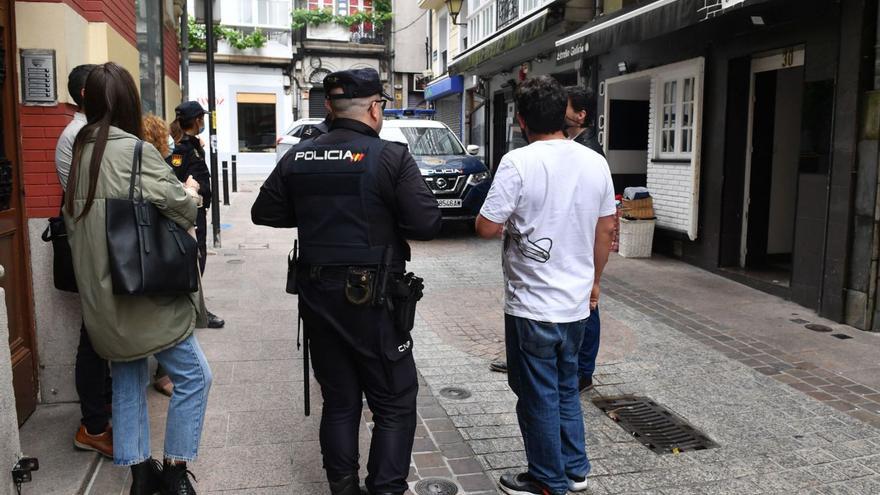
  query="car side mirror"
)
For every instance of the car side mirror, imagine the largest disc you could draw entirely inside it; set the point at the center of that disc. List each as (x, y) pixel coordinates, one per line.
(473, 149)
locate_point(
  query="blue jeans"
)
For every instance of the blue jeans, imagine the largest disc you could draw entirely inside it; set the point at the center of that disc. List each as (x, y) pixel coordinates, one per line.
(542, 362)
(189, 372)
(590, 347)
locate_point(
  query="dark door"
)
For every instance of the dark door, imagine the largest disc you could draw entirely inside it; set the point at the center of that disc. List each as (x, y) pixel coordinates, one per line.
(317, 110)
(499, 129)
(13, 233)
(762, 168)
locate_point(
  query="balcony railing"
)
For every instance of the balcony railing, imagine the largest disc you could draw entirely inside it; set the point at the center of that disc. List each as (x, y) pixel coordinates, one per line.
(496, 15)
(367, 34)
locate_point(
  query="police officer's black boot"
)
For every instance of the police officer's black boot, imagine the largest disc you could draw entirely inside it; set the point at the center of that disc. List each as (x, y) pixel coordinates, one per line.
(146, 478)
(347, 485)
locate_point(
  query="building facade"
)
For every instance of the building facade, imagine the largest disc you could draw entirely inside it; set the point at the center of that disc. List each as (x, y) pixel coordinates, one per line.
(254, 95)
(41, 42)
(752, 122)
(396, 49)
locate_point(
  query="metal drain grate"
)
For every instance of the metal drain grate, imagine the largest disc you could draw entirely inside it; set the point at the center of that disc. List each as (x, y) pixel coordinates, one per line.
(818, 328)
(653, 425)
(841, 336)
(456, 393)
(436, 486)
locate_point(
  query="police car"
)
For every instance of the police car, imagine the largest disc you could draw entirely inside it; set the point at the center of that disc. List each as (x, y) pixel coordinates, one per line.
(450, 169)
(292, 136)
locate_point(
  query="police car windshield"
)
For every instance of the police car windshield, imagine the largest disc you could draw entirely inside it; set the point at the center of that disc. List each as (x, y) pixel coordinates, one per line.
(431, 141)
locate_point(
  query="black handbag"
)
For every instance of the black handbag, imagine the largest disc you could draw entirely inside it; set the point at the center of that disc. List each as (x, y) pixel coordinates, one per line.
(149, 253)
(62, 259)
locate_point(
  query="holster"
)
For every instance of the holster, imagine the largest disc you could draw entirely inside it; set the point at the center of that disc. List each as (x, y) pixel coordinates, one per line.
(360, 286)
(406, 293)
(291, 269)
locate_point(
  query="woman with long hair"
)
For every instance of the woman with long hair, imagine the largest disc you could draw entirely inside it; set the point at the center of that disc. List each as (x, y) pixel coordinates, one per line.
(127, 329)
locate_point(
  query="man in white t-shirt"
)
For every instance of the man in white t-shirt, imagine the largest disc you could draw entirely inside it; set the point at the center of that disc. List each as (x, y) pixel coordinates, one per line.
(553, 201)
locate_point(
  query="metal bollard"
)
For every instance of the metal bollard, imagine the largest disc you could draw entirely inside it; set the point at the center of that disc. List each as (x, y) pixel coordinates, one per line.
(225, 183)
(234, 174)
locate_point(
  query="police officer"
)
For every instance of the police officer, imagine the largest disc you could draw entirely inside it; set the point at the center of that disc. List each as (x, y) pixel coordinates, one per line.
(355, 199)
(318, 129)
(188, 159)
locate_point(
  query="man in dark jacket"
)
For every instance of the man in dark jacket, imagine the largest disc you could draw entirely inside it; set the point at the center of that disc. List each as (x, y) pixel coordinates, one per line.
(355, 200)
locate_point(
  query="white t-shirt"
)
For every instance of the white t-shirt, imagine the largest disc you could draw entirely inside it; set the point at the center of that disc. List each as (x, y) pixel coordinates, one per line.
(549, 195)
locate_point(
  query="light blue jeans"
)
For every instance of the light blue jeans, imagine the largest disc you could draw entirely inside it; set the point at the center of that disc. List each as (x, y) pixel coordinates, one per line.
(189, 372)
(542, 362)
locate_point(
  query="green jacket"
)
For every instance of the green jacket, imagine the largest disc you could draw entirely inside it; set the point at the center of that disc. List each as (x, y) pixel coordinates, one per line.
(125, 328)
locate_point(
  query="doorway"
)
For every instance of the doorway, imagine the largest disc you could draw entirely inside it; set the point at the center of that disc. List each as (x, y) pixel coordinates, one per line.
(624, 129)
(771, 172)
(15, 279)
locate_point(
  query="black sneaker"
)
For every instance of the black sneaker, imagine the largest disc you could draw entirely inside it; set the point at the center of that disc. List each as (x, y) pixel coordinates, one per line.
(585, 383)
(175, 480)
(522, 484)
(215, 321)
(498, 366)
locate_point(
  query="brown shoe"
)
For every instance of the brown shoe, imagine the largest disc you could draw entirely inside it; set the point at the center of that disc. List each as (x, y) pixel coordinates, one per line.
(163, 385)
(101, 443)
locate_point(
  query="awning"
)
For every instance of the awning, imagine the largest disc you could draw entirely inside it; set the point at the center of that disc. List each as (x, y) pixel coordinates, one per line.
(520, 41)
(444, 87)
(629, 26)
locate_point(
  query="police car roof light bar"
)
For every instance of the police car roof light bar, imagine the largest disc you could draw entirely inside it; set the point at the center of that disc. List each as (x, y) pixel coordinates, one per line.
(410, 113)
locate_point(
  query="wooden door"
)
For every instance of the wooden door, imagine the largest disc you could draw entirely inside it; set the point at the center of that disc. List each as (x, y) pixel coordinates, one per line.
(16, 280)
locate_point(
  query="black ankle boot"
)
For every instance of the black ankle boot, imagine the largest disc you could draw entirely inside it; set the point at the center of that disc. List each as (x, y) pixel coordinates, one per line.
(347, 485)
(175, 480)
(146, 478)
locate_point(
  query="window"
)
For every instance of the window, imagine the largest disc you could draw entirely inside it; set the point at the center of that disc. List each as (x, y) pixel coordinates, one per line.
(481, 24)
(149, 45)
(431, 141)
(261, 12)
(676, 118)
(256, 122)
(320, 4)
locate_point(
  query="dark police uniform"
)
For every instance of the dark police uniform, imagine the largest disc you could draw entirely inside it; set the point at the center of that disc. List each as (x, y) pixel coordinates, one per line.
(353, 196)
(188, 158)
(316, 130)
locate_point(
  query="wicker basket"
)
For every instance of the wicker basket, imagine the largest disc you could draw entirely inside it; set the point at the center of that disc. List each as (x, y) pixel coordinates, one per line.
(636, 238)
(639, 209)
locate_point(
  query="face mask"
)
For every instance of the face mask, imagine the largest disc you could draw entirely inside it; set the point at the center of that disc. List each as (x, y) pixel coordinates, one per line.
(170, 143)
(201, 128)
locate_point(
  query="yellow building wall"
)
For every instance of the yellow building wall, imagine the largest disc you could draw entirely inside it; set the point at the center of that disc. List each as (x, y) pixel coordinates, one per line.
(55, 26)
(172, 98)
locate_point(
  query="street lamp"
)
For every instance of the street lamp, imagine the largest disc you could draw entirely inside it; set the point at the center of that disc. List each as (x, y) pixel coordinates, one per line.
(454, 8)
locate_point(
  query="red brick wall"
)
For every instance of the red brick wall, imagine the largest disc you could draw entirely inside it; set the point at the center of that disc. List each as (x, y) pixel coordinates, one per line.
(172, 55)
(117, 13)
(40, 128)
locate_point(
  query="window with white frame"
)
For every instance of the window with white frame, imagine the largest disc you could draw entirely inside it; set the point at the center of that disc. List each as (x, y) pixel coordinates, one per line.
(481, 24)
(527, 6)
(676, 110)
(273, 13)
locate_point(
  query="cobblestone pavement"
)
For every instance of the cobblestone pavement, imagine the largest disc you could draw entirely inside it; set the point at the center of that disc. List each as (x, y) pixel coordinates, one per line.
(745, 394)
(256, 440)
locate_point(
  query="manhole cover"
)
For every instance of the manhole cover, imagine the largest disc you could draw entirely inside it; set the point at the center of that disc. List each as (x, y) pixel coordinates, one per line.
(653, 425)
(456, 393)
(436, 486)
(841, 336)
(235, 262)
(252, 246)
(799, 321)
(818, 328)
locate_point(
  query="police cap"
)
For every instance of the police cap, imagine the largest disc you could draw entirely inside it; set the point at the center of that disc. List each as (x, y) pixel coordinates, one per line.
(355, 83)
(189, 110)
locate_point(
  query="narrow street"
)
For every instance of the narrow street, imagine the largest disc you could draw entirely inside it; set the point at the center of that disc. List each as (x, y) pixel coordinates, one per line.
(735, 363)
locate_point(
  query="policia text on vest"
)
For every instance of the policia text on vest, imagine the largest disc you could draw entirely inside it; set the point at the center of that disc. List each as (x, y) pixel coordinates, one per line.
(356, 200)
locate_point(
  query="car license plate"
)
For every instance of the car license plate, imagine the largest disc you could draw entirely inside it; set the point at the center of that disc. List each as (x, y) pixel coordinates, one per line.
(449, 203)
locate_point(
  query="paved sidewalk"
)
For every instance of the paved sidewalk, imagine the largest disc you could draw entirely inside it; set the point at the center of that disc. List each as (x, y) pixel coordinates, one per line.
(256, 439)
(705, 347)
